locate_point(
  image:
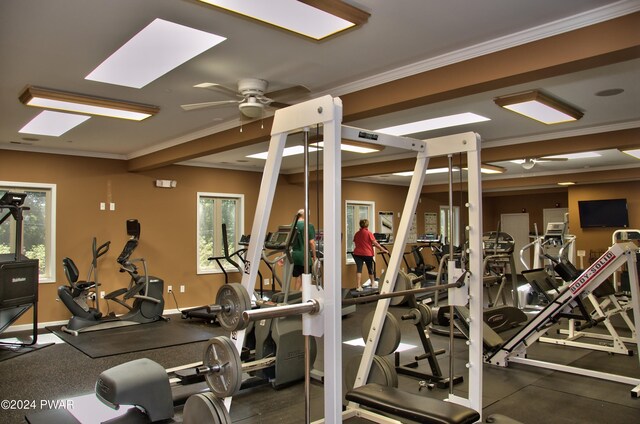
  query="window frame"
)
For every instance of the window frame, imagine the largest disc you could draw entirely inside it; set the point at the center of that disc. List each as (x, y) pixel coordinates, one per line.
(239, 225)
(50, 191)
(372, 224)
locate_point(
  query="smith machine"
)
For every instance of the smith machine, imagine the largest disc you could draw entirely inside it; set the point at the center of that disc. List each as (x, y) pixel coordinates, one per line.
(321, 306)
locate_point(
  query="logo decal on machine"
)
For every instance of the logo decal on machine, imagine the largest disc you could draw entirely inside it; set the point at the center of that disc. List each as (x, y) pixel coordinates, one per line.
(367, 136)
(247, 267)
(592, 272)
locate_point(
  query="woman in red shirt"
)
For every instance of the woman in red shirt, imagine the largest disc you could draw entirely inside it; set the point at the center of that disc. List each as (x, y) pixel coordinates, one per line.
(363, 253)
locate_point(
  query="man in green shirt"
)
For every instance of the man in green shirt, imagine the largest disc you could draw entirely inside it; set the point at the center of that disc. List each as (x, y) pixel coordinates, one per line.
(298, 251)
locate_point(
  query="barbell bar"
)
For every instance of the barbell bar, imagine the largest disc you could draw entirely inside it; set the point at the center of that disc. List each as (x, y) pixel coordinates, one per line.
(236, 313)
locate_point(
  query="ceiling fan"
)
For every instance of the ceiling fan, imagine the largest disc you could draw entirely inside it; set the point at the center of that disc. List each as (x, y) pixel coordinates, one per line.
(252, 96)
(529, 163)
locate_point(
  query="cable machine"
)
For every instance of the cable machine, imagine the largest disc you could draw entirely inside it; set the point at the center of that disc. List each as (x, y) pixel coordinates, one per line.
(327, 111)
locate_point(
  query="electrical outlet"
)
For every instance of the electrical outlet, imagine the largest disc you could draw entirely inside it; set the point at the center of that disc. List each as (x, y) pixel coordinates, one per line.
(169, 289)
(266, 281)
(112, 206)
(103, 206)
(102, 295)
(182, 289)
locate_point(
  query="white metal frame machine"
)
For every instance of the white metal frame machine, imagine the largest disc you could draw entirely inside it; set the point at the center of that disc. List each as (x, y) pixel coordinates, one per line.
(327, 111)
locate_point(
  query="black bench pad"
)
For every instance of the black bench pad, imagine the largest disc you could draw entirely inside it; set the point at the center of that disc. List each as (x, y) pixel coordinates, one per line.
(410, 406)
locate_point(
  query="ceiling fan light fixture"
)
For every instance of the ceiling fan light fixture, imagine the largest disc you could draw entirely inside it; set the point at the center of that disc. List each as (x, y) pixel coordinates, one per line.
(540, 107)
(251, 109)
(316, 19)
(80, 103)
(528, 164)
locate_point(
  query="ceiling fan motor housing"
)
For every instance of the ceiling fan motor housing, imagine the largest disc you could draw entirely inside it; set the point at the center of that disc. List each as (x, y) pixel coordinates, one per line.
(252, 87)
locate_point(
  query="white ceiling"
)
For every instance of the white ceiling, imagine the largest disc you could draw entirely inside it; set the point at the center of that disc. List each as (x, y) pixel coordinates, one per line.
(55, 44)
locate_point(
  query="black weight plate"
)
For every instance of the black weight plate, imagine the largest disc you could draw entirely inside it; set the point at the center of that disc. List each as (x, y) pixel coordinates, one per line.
(389, 370)
(234, 300)
(402, 283)
(377, 373)
(389, 336)
(425, 314)
(221, 352)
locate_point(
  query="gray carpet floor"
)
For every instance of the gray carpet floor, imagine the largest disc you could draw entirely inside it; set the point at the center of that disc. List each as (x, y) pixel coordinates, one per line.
(530, 395)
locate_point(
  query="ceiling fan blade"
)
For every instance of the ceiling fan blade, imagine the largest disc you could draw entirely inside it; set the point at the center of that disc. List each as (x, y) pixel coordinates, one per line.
(288, 93)
(219, 89)
(278, 105)
(194, 106)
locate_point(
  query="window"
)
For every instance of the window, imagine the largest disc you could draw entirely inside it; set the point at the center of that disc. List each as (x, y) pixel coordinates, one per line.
(355, 211)
(215, 209)
(444, 224)
(38, 226)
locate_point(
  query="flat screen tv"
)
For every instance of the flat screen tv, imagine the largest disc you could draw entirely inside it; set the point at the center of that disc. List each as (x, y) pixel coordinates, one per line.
(603, 213)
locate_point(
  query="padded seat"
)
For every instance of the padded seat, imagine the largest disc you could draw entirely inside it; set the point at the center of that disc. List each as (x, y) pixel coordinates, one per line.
(411, 406)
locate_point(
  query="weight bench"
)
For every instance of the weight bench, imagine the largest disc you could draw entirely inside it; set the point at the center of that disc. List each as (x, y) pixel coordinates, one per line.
(411, 406)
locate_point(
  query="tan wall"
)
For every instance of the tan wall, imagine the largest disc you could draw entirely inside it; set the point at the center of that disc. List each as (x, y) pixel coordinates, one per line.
(532, 203)
(168, 216)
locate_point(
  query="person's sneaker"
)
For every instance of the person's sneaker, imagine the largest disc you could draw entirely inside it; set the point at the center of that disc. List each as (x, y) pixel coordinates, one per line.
(359, 289)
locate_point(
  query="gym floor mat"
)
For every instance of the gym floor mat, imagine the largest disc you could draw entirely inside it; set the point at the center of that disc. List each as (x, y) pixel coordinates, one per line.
(525, 405)
(136, 338)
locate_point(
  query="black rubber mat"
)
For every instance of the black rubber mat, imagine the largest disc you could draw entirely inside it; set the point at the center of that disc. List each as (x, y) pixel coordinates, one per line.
(559, 408)
(136, 338)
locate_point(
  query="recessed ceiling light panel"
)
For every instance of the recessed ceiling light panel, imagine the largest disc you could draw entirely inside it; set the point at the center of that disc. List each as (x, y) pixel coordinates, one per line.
(160, 47)
(540, 107)
(434, 124)
(288, 151)
(428, 171)
(73, 102)
(633, 152)
(53, 124)
(296, 16)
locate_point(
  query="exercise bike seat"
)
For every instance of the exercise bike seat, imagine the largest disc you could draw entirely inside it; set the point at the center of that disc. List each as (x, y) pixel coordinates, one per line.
(72, 274)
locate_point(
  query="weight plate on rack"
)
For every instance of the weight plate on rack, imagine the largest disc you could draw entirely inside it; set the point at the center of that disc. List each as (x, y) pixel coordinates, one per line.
(205, 408)
(415, 316)
(221, 353)
(389, 370)
(402, 283)
(425, 313)
(377, 374)
(234, 300)
(389, 336)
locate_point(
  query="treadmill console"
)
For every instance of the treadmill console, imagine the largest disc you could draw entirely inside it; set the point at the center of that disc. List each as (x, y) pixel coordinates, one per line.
(382, 238)
(12, 199)
(244, 240)
(428, 238)
(555, 231)
(494, 243)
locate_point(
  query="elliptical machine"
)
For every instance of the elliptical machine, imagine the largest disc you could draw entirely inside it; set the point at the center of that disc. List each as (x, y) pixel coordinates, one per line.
(145, 290)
